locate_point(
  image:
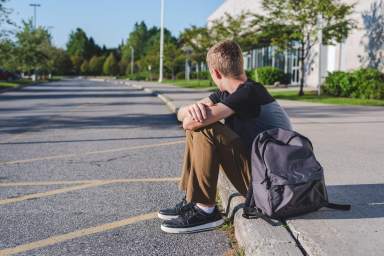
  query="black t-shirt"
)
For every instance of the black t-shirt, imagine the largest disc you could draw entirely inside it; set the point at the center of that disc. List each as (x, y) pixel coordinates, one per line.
(255, 111)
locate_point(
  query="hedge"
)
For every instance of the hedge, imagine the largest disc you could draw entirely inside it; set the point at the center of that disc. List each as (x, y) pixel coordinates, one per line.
(269, 75)
(364, 83)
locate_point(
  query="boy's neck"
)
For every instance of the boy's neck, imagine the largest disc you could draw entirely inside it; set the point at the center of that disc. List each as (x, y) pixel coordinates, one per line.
(232, 84)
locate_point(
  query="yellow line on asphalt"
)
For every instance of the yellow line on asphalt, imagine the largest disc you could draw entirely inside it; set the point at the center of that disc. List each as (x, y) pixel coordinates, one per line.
(89, 184)
(73, 182)
(90, 153)
(50, 193)
(76, 234)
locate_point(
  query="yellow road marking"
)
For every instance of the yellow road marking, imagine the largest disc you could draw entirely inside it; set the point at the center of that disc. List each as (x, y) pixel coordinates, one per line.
(76, 234)
(72, 182)
(88, 184)
(49, 193)
(91, 153)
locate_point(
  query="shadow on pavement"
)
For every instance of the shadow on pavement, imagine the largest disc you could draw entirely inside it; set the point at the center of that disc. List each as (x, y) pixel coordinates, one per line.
(367, 201)
(91, 140)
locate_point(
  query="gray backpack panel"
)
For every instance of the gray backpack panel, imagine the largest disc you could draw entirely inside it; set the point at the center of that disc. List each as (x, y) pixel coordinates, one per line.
(287, 180)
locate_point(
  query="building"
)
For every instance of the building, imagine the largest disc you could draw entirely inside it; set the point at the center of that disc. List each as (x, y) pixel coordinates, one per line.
(363, 47)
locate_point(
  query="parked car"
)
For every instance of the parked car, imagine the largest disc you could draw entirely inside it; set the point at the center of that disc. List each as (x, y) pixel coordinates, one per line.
(8, 76)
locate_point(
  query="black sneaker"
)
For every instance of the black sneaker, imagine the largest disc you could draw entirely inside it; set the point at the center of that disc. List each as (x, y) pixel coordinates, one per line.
(173, 213)
(193, 220)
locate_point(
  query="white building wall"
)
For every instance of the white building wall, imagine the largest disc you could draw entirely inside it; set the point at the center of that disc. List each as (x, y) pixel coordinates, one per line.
(343, 56)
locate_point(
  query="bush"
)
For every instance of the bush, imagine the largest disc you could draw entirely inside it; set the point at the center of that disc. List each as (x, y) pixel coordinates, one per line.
(270, 75)
(137, 76)
(180, 75)
(364, 83)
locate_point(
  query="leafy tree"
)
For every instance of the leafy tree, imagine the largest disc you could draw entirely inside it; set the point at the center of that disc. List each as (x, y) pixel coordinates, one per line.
(4, 19)
(76, 63)
(137, 39)
(198, 39)
(84, 68)
(80, 45)
(110, 66)
(290, 22)
(8, 59)
(96, 65)
(62, 64)
(236, 28)
(32, 47)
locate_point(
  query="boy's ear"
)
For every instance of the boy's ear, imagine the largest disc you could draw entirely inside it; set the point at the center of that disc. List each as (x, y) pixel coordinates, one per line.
(217, 74)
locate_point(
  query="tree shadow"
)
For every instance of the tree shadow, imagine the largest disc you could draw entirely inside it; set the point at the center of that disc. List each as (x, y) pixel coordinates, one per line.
(373, 21)
(19, 124)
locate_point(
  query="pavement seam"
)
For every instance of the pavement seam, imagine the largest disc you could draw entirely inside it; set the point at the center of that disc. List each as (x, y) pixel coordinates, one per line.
(90, 153)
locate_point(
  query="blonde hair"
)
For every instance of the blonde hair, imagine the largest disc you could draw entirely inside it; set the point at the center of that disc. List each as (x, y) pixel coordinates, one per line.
(227, 58)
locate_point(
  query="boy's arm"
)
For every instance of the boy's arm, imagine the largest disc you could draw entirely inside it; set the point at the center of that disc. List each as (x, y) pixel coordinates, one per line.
(197, 109)
(214, 114)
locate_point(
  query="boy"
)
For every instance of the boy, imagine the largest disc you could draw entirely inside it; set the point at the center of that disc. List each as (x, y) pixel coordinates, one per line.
(248, 109)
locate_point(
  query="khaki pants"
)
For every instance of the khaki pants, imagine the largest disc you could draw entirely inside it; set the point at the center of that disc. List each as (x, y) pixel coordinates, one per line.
(206, 150)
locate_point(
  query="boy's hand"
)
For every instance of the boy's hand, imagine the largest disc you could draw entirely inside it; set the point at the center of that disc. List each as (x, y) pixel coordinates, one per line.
(198, 111)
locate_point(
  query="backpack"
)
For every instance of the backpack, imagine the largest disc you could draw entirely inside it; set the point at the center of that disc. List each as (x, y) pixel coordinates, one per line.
(287, 180)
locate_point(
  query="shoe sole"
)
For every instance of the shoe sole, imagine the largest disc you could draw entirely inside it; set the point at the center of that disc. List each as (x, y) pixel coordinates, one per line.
(167, 217)
(200, 228)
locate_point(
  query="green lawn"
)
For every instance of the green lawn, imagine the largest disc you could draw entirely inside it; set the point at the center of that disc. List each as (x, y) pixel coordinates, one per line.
(14, 83)
(311, 96)
(191, 83)
(26, 82)
(287, 94)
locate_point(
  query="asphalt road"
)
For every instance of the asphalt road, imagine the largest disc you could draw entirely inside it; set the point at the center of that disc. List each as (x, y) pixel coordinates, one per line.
(84, 166)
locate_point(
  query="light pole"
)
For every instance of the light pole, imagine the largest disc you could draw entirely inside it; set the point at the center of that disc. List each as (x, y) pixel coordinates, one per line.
(161, 41)
(320, 38)
(34, 13)
(132, 58)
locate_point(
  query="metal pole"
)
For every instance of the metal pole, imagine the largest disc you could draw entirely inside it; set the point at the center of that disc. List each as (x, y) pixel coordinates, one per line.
(161, 41)
(320, 37)
(132, 58)
(35, 13)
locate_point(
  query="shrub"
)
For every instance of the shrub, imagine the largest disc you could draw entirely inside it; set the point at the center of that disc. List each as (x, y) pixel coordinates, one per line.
(137, 76)
(337, 83)
(269, 75)
(364, 83)
(368, 84)
(180, 75)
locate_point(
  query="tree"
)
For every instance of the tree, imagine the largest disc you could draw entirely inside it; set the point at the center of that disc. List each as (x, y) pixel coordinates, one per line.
(197, 38)
(84, 68)
(110, 66)
(290, 22)
(62, 64)
(236, 28)
(4, 19)
(96, 65)
(80, 45)
(137, 39)
(32, 47)
(76, 63)
(8, 55)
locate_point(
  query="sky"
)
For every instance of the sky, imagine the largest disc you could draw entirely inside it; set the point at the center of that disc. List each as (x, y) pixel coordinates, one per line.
(110, 21)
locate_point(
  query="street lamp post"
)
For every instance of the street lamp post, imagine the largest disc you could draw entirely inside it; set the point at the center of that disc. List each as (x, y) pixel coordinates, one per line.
(161, 41)
(320, 38)
(34, 13)
(132, 58)
(34, 5)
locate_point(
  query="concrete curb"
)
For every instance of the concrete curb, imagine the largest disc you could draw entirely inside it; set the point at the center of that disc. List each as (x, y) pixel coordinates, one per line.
(256, 236)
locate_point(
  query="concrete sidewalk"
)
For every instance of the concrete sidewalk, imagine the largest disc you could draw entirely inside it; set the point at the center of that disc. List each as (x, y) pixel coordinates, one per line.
(349, 143)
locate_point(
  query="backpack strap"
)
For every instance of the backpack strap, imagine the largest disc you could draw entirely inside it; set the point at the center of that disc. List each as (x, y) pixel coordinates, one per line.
(341, 207)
